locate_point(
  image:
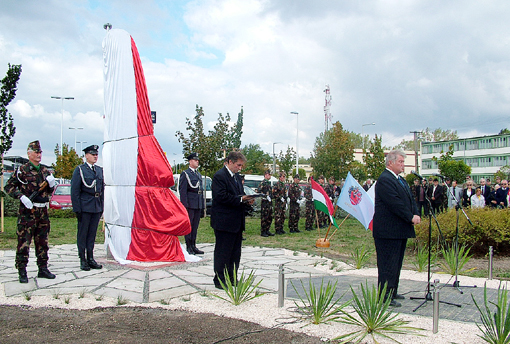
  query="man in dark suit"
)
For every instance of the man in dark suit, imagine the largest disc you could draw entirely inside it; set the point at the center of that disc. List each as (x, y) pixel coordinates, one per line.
(502, 194)
(486, 190)
(435, 194)
(227, 217)
(395, 215)
(191, 193)
(87, 196)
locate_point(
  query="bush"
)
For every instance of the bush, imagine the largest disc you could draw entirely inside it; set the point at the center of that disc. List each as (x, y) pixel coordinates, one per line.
(61, 213)
(11, 206)
(491, 227)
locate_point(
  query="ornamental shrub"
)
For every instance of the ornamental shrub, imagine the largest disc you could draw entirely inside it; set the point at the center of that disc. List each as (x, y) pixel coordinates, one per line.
(491, 227)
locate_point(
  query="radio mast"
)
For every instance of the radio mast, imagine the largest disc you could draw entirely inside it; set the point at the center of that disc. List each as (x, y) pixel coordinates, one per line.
(327, 109)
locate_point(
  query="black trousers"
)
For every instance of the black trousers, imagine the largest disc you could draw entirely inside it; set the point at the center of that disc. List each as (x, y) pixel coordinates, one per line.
(194, 219)
(87, 229)
(390, 256)
(227, 253)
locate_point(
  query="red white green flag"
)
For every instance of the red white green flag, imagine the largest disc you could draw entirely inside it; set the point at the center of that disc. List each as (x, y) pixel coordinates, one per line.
(322, 202)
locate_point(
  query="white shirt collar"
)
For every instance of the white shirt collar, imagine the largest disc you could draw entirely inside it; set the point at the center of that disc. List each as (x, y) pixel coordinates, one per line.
(231, 173)
(396, 176)
(89, 164)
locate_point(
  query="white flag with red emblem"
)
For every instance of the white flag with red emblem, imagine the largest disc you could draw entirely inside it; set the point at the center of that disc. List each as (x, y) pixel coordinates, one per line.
(354, 200)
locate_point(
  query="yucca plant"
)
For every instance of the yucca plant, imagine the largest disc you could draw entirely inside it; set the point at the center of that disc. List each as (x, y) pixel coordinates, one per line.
(361, 255)
(319, 306)
(241, 290)
(450, 259)
(496, 323)
(374, 317)
(421, 260)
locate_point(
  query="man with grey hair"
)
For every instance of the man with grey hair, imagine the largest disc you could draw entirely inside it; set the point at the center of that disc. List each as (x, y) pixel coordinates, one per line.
(395, 215)
(486, 190)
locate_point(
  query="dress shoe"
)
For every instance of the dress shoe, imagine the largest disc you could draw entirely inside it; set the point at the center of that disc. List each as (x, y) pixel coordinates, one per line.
(84, 265)
(197, 251)
(218, 286)
(93, 264)
(395, 304)
(45, 273)
(190, 250)
(23, 278)
(398, 297)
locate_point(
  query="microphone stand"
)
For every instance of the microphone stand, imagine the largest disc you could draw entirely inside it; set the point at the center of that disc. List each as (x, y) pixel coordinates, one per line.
(456, 283)
(428, 294)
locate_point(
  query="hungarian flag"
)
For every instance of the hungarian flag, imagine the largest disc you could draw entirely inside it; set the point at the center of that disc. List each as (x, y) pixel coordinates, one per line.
(143, 218)
(354, 200)
(322, 202)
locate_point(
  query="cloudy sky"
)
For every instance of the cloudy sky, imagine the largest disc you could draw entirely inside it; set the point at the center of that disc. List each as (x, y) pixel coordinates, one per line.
(404, 65)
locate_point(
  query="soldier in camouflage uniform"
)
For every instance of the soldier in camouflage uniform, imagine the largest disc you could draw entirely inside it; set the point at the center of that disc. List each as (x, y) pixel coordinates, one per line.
(280, 203)
(309, 206)
(33, 221)
(266, 206)
(294, 196)
(323, 218)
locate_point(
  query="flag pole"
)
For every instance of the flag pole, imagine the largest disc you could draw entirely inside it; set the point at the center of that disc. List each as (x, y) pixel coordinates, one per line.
(330, 223)
(339, 226)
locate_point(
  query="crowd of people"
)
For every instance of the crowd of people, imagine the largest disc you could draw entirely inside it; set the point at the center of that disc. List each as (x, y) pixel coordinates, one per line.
(280, 196)
(448, 194)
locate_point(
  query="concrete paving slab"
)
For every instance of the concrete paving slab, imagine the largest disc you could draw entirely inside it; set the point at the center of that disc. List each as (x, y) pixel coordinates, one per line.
(16, 288)
(172, 293)
(61, 278)
(116, 293)
(135, 286)
(157, 274)
(165, 283)
(135, 274)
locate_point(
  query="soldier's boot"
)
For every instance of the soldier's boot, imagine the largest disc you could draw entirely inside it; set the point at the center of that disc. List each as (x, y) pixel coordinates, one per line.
(195, 249)
(264, 234)
(189, 247)
(23, 278)
(269, 233)
(84, 265)
(91, 262)
(297, 231)
(45, 273)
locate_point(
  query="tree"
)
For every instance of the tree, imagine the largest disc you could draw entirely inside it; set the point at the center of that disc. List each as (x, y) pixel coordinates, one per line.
(374, 158)
(504, 131)
(66, 163)
(453, 169)
(286, 161)
(503, 173)
(256, 159)
(8, 92)
(213, 146)
(333, 153)
(429, 135)
(359, 171)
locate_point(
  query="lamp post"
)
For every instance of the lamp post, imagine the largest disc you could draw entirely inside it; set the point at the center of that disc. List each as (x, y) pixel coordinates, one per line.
(62, 120)
(81, 145)
(362, 137)
(75, 130)
(297, 137)
(274, 158)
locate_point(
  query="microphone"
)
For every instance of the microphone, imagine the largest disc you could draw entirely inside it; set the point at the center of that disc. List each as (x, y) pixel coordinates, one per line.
(416, 174)
(439, 175)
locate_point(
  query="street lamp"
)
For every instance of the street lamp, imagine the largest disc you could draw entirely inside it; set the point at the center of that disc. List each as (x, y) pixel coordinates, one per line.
(75, 130)
(81, 145)
(62, 121)
(274, 158)
(297, 136)
(362, 137)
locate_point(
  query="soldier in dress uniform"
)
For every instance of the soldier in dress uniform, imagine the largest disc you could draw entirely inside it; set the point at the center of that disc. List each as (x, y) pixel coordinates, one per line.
(191, 192)
(32, 184)
(294, 196)
(266, 205)
(308, 194)
(87, 196)
(280, 203)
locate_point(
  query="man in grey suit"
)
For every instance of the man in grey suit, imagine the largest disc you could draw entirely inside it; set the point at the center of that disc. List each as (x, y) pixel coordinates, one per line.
(87, 196)
(227, 217)
(395, 215)
(191, 193)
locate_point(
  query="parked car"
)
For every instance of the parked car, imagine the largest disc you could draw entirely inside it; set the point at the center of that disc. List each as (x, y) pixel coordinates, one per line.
(208, 192)
(61, 197)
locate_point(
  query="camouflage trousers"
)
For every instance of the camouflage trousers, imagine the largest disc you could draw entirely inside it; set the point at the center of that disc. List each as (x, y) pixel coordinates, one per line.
(266, 215)
(310, 215)
(293, 216)
(34, 225)
(279, 216)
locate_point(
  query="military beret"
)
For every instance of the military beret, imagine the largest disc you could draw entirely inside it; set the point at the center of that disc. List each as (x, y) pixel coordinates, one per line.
(92, 149)
(267, 172)
(34, 146)
(193, 156)
(297, 176)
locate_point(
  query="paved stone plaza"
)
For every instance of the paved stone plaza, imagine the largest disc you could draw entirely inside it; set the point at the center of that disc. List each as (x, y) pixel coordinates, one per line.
(150, 282)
